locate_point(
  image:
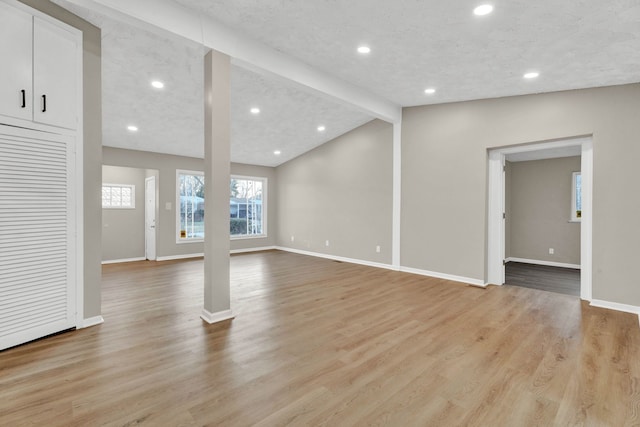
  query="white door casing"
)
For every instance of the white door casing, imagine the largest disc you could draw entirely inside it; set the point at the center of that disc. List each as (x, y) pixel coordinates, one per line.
(495, 220)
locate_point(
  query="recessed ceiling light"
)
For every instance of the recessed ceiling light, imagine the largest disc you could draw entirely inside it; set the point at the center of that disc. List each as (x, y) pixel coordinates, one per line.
(255, 110)
(277, 152)
(132, 128)
(364, 49)
(157, 84)
(321, 128)
(430, 91)
(483, 9)
(531, 75)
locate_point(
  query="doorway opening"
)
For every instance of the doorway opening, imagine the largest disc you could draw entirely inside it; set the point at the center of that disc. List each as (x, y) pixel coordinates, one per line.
(497, 209)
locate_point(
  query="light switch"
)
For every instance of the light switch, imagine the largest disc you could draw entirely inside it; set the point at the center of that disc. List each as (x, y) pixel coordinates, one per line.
(167, 206)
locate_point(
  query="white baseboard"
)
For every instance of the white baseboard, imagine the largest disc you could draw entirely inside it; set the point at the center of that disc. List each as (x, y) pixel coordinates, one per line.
(337, 258)
(210, 318)
(262, 248)
(118, 261)
(91, 321)
(453, 278)
(174, 257)
(615, 306)
(475, 282)
(547, 263)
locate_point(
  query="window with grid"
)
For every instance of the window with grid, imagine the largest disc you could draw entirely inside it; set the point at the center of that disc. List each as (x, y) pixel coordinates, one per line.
(247, 207)
(118, 196)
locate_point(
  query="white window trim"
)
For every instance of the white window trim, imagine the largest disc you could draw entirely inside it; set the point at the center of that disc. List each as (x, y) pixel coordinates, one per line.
(177, 207)
(574, 217)
(133, 195)
(265, 186)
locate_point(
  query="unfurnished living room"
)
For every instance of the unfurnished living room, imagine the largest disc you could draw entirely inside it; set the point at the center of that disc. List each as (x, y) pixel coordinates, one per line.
(235, 213)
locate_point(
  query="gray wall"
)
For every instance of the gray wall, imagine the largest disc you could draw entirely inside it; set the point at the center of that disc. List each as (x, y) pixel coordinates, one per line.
(92, 86)
(123, 230)
(166, 165)
(444, 177)
(341, 192)
(540, 210)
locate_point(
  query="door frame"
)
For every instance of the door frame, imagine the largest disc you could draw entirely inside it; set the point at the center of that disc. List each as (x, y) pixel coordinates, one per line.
(146, 211)
(496, 205)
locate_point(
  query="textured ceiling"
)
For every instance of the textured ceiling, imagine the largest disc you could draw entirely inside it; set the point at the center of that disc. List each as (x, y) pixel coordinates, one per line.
(421, 43)
(171, 120)
(415, 44)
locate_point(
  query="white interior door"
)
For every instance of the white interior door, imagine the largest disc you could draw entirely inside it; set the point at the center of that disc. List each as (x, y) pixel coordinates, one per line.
(150, 217)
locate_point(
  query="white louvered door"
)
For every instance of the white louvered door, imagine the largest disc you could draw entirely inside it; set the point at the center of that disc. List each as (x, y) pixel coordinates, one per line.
(37, 235)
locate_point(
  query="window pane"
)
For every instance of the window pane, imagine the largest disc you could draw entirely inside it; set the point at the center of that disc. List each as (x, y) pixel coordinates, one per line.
(116, 196)
(579, 193)
(126, 196)
(245, 207)
(106, 196)
(191, 208)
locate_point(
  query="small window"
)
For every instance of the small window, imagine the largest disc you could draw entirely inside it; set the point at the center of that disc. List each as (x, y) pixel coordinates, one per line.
(118, 196)
(576, 197)
(247, 207)
(189, 206)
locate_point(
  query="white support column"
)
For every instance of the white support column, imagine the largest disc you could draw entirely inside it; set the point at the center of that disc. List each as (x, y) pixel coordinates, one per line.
(397, 198)
(217, 155)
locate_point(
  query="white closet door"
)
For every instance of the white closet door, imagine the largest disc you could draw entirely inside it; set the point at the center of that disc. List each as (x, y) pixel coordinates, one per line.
(16, 69)
(37, 283)
(55, 76)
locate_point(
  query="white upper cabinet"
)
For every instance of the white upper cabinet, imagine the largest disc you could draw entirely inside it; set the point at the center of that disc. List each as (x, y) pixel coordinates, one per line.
(16, 53)
(40, 72)
(55, 76)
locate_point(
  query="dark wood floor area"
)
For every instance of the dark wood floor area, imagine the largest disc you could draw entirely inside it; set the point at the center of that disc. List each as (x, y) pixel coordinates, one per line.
(545, 278)
(321, 343)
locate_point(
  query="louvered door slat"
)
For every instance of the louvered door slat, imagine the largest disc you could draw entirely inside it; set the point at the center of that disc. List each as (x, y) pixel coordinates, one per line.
(37, 286)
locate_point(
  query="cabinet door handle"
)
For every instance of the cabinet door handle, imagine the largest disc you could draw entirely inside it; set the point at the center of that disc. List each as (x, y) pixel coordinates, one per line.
(44, 103)
(24, 98)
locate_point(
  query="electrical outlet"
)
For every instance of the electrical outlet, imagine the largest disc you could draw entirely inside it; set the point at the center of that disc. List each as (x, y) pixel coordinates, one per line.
(551, 251)
(378, 249)
(326, 243)
(292, 238)
(167, 206)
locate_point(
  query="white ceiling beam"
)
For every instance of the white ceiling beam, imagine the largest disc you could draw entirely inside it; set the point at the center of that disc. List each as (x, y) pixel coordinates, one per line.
(245, 51)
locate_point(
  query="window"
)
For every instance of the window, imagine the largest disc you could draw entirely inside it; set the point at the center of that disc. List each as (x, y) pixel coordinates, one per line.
(247, 207)
(189, 206)
(118, 196)
(576, 197)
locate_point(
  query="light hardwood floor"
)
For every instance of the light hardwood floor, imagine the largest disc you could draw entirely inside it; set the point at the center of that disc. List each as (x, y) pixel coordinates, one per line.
(323, 343)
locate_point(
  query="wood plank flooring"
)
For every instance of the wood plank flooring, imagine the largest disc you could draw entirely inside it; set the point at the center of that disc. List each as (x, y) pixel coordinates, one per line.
(321, 343)
(545, 278)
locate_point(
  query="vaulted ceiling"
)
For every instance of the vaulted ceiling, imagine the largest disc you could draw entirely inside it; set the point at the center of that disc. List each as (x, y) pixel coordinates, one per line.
(414, 45)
